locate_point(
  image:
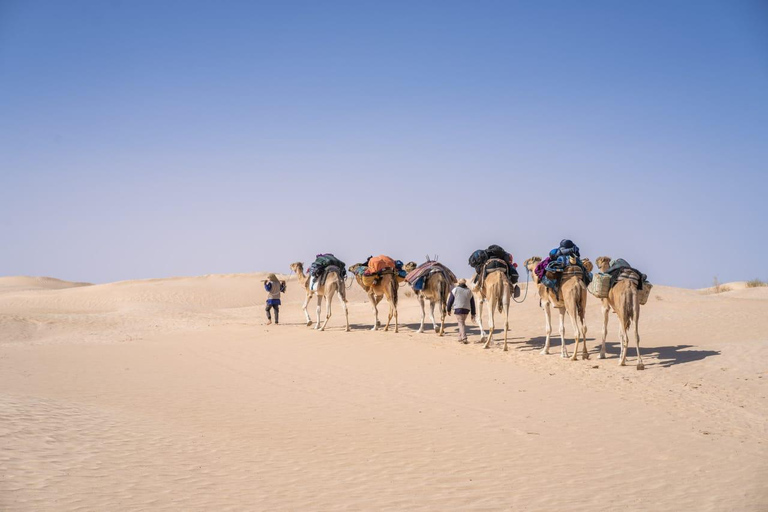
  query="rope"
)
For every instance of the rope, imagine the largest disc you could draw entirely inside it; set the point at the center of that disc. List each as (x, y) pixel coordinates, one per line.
(527, 285)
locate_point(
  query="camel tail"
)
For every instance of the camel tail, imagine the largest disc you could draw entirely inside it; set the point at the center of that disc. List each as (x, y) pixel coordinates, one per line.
(629, 307)
(394, 289)
(443, 296)
(500, 297)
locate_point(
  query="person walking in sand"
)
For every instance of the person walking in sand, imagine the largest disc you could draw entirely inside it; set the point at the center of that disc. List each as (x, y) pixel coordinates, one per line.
(274, 288)
(463, 300)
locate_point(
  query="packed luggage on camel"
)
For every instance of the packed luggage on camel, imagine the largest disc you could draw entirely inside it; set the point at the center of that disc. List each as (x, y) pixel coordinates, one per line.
(324, 278)
(487, 260)
(432, 281)
(622, 289)
(495, 283)
(379, 276)
(551, 270)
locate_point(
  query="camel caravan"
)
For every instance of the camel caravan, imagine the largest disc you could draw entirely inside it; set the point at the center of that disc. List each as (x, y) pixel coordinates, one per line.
(562, 280)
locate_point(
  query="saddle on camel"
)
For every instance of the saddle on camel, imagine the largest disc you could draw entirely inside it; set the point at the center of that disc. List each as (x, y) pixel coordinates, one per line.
(377, 266)
(493, 259)
(318, 270)
(620, 270)
(418, 276)
(563, 261)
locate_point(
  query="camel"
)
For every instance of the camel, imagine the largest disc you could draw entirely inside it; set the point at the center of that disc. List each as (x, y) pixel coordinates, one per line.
(436, 289)
(623, 300)
(332, 284)
(384, 286)
(572, 299)
(497, 290)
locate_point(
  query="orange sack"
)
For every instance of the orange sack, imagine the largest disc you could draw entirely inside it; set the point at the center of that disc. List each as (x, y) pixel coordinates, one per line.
(379, 263)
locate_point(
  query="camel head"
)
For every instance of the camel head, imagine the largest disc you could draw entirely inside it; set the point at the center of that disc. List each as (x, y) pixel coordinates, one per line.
(587, 264)
(411, 265)
(353, 268)
(603, 262)
(531, 263)
(297, 267)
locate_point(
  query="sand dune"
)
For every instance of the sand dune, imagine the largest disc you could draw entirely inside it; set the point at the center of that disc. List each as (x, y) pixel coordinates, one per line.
(172, 394)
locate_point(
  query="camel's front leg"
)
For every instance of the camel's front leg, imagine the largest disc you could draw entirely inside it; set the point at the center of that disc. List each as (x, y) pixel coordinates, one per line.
(480, 304)
(563, 349)
(432, 314)
(304, 307)
(328, 302)
(319, 303)
(548, 320)
(606, 312)
(375, 304)
(423, 312)
(392, 313)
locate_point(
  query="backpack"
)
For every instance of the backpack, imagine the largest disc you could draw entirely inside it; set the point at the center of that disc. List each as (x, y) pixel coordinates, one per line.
(496, 251)
(477, 259)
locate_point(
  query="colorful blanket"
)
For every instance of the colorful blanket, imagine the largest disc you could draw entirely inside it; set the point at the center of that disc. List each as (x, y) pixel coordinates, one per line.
(428, 267)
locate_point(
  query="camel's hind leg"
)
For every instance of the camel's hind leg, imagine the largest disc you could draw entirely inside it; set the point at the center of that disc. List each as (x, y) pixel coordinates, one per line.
(432, 314)
(624, 337)
(491, 325)
(636, 319)
(423, 312)
(328, 302)
(548, 320)
(578, 333)
(443, 312)
(506, 321)
(563, 348)
(343, 300)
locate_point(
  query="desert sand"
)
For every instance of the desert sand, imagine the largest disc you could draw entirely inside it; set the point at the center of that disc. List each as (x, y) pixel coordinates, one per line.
(173, 394)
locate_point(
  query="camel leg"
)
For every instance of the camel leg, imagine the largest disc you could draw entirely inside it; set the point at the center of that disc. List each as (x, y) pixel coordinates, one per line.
(506, 324)
(548, 320)
(640, 365)
(396, 322)
(328, 302)
(432, 314)
(584, 352)
(375, 304)
(624, 343)
(442, 318)
(304, 307)
(319, 303)
(479, 317)
(606, 312)
(576, 335)
(423, 312)
(344, 307)
(491, 325)
(563, 348)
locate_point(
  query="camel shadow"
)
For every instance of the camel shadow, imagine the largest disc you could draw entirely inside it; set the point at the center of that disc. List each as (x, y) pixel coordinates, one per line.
(665, 356)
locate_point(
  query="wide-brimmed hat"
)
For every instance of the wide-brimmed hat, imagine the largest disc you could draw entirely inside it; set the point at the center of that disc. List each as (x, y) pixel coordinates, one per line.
(271, 277)
(462, 282)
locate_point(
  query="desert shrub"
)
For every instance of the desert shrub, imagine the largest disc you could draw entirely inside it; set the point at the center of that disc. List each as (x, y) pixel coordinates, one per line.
(718, 287)
(756, 283)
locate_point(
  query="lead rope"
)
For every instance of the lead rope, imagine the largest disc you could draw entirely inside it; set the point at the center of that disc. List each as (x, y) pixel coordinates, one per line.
(527, 285)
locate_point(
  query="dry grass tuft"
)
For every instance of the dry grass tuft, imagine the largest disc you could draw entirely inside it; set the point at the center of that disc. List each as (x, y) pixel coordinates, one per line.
(756, 283)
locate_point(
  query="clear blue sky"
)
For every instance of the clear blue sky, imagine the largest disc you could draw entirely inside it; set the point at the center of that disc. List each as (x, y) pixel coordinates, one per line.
(156, 138)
